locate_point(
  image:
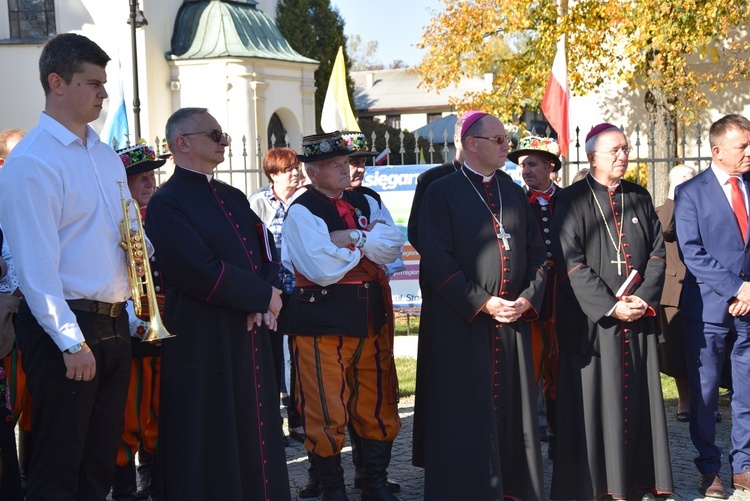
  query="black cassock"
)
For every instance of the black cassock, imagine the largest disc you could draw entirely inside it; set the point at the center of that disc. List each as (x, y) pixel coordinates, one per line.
(611, 429)
(479, 398)
(220, 434)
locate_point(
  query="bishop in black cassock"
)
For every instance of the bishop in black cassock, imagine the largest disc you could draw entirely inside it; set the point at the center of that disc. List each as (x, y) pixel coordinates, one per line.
(479, 244)
(611, 429)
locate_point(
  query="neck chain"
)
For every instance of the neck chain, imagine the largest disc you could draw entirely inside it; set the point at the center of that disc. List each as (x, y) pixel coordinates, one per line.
(617, 245)
(501, 233)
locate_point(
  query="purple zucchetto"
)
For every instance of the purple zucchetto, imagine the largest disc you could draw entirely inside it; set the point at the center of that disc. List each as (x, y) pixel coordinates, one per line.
(470, 118)
(598, 129)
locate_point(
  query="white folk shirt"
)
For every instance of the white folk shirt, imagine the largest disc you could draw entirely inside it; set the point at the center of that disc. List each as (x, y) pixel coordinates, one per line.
(60, 211)
(307, 247)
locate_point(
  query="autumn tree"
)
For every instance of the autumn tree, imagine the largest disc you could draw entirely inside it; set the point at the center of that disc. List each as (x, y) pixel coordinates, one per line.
(315, 29)
(673, 53)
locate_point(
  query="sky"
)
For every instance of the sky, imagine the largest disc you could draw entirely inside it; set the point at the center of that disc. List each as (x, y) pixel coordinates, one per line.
(396, 25)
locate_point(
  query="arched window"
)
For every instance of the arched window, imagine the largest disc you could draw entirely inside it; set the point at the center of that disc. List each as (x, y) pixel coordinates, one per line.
(31, 19)
(276, 132)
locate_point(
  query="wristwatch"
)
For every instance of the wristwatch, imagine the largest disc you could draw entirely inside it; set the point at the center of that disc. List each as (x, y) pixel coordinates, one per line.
(74, 349)
(355, 235)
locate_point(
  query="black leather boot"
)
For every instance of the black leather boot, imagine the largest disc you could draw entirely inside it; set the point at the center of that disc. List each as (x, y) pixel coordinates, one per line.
(123, 486)
(376, 455)
(356, 442)
(25, 451)
(312, 488)
(331, 478)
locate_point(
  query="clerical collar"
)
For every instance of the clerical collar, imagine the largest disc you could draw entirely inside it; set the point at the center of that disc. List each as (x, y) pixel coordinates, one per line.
(209, 177)
(485, 179)
(609, 188)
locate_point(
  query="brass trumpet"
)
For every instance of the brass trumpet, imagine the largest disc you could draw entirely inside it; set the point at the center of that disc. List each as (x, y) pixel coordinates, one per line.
(134, 243)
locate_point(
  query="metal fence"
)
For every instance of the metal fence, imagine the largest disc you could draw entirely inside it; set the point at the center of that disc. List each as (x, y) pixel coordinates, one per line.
(242, 168)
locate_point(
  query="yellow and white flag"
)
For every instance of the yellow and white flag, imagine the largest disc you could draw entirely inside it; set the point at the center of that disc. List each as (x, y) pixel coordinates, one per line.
(337, 112)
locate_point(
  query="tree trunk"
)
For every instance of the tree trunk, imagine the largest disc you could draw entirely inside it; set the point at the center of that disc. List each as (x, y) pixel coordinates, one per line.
(662, 143)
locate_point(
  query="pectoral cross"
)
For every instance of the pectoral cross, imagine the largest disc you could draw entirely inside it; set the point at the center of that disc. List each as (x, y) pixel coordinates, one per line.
(619, 264)
(502, 235)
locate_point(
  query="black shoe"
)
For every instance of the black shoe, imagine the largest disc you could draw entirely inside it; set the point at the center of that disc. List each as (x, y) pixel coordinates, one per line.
(683, 417)
(394, 486)
(718, 417)
(331, 478)
(376, 456)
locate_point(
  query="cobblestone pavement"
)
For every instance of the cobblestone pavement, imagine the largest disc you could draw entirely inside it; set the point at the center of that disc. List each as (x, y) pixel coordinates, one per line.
(411, 478)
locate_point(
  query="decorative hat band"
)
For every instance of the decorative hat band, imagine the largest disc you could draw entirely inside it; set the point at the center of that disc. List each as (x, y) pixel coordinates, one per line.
(355, 141)
(137, 154)
(324, 145)
(539, 143)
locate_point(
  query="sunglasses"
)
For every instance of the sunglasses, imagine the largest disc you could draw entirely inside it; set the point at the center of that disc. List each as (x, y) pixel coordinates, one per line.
(214, 134)
(497, 139)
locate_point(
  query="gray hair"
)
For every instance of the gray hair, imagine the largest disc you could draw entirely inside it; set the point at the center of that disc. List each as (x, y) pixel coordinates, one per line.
(679, 174)
(179, 123)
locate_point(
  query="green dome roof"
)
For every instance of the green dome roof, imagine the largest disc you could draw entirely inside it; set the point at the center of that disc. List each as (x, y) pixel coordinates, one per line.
(222, 28)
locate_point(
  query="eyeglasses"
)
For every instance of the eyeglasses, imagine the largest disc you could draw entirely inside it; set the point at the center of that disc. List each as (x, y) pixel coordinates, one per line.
(616, 151)
(214, 134)
(497, 139)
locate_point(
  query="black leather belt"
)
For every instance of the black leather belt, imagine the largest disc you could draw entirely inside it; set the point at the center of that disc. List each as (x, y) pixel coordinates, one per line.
(110, 309)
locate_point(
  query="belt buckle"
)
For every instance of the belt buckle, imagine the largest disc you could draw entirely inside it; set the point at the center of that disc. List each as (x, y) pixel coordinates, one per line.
(114, 310)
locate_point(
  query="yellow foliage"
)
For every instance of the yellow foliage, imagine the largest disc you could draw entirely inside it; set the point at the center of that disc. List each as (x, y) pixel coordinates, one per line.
(637, 173)
(648, 44)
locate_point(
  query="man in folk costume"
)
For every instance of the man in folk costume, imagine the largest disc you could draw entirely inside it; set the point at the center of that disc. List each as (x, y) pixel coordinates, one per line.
(340, 310)
(358, 156)
(220, 435)
(539, 157)
(712, 232)
(613, 438)
(142, 406)
(484, 258)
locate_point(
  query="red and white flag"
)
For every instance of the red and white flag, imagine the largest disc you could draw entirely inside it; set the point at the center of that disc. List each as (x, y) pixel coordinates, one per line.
(556, 98)
(382, 158)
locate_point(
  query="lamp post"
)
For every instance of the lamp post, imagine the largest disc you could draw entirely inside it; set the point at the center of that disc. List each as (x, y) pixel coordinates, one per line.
(136, 20)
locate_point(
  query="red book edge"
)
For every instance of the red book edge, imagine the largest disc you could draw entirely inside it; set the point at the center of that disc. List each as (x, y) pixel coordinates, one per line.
(630, 284)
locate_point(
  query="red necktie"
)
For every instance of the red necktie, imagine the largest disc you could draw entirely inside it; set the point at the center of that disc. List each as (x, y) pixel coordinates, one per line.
(534, 195)
(738, 206)
(346, 211)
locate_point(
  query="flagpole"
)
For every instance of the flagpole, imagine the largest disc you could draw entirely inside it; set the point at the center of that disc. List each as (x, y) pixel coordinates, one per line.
(136, 21)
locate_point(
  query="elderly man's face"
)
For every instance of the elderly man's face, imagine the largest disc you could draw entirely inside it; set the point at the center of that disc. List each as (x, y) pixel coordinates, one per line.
(332, 176)
(142, 187)
(732, 154)
(536, 171)
(357, 170)
(609, 160)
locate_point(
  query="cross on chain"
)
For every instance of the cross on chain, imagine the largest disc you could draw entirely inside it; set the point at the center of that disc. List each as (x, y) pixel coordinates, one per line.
(502, 235)
(619, 264)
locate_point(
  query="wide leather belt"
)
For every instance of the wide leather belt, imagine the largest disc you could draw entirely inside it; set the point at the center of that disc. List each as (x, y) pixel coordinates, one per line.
(100, 307)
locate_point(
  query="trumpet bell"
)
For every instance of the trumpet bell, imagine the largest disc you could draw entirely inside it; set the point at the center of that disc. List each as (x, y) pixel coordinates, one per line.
(156, 331)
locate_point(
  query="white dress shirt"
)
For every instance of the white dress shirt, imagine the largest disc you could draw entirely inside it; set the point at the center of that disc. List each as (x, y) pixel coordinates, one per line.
(307, 246)
(726, 186)
(60, 211)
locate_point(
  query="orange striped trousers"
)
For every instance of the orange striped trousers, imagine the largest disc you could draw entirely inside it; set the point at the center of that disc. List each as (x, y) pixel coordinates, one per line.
(342, 379)
(141, 409)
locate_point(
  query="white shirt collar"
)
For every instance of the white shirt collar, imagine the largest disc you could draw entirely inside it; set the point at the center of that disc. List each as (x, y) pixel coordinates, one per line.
(209, 177)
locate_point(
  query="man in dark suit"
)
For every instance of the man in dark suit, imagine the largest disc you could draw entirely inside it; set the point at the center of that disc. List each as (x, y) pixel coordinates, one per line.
(711, 221)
